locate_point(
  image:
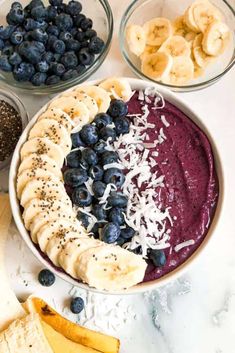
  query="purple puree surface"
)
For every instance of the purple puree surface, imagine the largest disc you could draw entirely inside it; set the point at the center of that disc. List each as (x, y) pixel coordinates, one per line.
(191, 184)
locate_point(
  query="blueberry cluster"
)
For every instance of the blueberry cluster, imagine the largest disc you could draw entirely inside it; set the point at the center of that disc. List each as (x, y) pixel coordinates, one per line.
(88, 160)
(44, 45)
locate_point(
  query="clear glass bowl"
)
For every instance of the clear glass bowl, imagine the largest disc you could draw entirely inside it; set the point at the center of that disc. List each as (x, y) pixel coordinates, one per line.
(16, 103)
(101, 14)
(140, 11)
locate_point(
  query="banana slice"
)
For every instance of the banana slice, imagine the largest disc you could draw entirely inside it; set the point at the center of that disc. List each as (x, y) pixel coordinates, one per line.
(54, 131)
(175, 46)
(29, 174)
(110, 267)
(216, 37)
(77, 111)
(87, 100)
(101, 97)
(43, 161)
(189, 19)
(136, 39)
(201, 58)
(57, 228)
(204, 13)
(118, 88)
(39, 188)
(149, 49)
(43, 146)
(58, 115)
(180, 29)
(157, 66)
(182, 71)
(157, 30)
(68, 255)
(36, 206)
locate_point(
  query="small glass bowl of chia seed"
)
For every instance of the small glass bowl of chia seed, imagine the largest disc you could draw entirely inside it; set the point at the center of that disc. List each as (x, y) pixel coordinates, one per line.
(13, 120)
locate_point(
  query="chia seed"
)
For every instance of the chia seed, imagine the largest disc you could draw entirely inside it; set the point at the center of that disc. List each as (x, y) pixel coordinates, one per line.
(10, 129)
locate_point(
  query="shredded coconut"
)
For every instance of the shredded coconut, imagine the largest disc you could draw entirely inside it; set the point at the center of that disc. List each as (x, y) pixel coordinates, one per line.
(186, 243)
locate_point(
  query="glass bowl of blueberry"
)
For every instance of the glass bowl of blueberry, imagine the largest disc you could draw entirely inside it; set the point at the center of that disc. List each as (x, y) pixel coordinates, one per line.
(48, 46)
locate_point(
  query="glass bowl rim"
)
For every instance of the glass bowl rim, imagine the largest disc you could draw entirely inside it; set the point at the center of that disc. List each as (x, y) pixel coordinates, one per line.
(63, 85)
(186, 88)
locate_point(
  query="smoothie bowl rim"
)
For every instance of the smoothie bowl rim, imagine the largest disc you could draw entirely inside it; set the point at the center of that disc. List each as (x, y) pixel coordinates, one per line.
(144, 286)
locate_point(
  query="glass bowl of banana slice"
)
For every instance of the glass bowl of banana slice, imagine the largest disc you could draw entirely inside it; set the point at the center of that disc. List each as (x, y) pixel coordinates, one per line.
(184, 45)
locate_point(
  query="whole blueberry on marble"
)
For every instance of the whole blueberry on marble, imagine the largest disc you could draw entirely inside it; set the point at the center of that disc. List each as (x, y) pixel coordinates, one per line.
(46, 278)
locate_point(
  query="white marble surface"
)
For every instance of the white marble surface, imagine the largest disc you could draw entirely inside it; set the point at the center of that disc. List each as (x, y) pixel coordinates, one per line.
(196, 313)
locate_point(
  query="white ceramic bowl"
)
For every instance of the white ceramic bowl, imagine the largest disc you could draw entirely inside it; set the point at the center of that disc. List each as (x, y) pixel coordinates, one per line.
(178, 102)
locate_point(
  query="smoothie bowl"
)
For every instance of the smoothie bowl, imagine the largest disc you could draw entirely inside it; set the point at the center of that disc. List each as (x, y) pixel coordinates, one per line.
(119, 197)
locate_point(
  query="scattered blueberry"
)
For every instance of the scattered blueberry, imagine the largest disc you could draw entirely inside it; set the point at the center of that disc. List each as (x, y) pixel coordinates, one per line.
(75, 177)
(109, 157)
(69, 60)
(100, 147)
(5, 64)
(99, 212)
(46, 278)
(39, 78)
(122, 125)
(127, 233)
(116, 215)
(16, 38)
(96, 172)
(42, 66)
(96, 45)
(52, 80)
(76, 140)
(118, 108)
(158, 257)
(117, 199)
(102, 119)
(23, 72)
(81, 196)
(86, 24)
(98, 188)
(89, 155)
(89, 134)
(110, 233)
(15, 59)
(85, 57)
(77, 305)
(83, 218)
(64, 22)
(114, 176)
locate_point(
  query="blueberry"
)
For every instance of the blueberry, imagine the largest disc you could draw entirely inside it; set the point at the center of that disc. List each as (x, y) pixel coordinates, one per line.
(39, 45)
(34, 3)
(116, 215)
(118, 108)
(89, 134)
(15, 59)
(52, 29)
(58, 46)
(89, 155)
(98, 188)
(100, 147)
(117, 199)
(9, 19)
(8, 50)
(90, 33)
(80, 69)
(81, 197)
(114, 176)
(6, 32)
(61, 8)
(41, 24)
(96, 172)
(110, 233)
(76, 140)
(46, 278)
(96, 45)
(1, 44)
(48, 57)
(85, 57)
(55, 2)
(64, 22)
(39, 78)
(69, 74)
(109, 157)
(75, 176)
(52, 80)
(84, 218)
(95, 230)
(39, 13)
(30, 52)
(84, 165)
(74, 8)
(51, 13)
(16, 15)
(30, 24)
(16, 38)
(57, 69)
(16, 4)
(69, 60)
(65, 36)
(102, 119)
(73, 31)
(23, 72)
(73, 159)
(127, 233)
(80, 36)
(99, 212)
(72, 44)
(4, 63)
(39, 35)
(86, 24)
(51, 39)
(122, 126)
(77, 305)
(42, 66)
(107, 133)
(120, 241)
(78, 19)
(158, 257)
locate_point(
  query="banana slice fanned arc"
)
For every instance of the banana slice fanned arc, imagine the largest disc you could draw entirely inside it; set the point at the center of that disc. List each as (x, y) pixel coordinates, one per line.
(118, 88)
